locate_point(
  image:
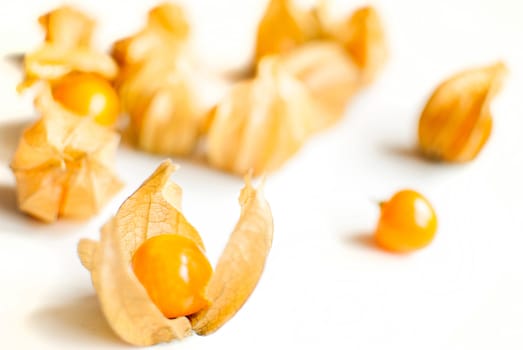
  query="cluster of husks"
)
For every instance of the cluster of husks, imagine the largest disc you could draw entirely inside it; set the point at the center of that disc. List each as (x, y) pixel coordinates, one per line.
(305, 77)
(306, 72)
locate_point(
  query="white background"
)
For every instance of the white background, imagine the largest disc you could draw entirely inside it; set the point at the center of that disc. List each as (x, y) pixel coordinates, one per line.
(325, 285)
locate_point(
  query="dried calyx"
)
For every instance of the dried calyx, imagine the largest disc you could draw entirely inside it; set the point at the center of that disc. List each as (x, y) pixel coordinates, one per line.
(285, 27)
(63, 164)
(329, 76)
(456, 122)
(67, 48)
(306, 73)
(166, 32)
(333, 61)
(261, 122)
(157, 85)
(155, 209)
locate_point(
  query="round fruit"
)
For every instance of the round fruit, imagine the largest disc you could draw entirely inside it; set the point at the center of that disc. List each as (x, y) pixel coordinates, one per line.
(88, 95)
(407, 222)
(175, 272)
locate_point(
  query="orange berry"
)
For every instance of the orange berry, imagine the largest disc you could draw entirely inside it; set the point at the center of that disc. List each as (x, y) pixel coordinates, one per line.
(407, 222)
(175, 272)
(88, 95)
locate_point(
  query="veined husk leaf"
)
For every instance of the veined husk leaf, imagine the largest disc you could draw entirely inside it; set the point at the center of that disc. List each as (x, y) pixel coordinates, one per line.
(456, 121)
(66, 49)
(261, 122)
(330, 75)
(241, 264)
(155, 208)
(63, 164)
(284, 27)
(165, 34)
(363, 36)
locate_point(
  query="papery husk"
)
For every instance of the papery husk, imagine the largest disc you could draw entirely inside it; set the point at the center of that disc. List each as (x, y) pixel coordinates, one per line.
(333, 61)
(330, 75)
(261, 122)
(456, 121)
(165, 34)
(155, 208)
(161, 99)
(63, 164)
(284, 27)
(241, 263)
(67, 27)
(363, 36)
(67, 48)
(51, 62)
(156, 84)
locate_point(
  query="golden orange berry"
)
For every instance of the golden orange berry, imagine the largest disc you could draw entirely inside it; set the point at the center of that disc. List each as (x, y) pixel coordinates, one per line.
(407, 222)
(175, 272)
(89, 95)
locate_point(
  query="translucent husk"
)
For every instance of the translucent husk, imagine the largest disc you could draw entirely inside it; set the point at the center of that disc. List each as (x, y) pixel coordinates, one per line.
(241, 264)
(155, 208)
(456, 121)
(161, 99)
(329, 74)
(284, 27)
(334, 62)
(67, 27)
(363, 36)
(63, 164)
(261, 122)
(67, 48)
(156, 84)
(165, 34)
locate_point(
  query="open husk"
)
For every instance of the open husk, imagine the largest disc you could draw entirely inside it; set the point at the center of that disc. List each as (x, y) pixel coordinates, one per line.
(67, 48)
(155, 208)
(456, 121)
(261, 122)
(157, 85)
(241, 263)
(63, 164)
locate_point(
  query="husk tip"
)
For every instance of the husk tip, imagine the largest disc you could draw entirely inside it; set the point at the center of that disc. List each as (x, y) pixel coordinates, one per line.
(168, 166)
(500, 69)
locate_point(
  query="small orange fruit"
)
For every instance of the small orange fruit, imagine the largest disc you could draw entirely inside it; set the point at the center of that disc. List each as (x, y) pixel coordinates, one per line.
(88, 95)
(407, 222)
(175, 272)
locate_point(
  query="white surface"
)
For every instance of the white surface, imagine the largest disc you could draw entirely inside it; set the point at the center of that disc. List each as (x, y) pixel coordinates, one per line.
(324, 285)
